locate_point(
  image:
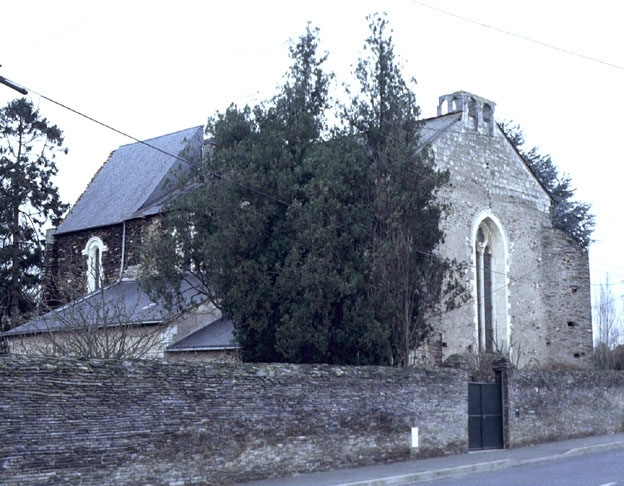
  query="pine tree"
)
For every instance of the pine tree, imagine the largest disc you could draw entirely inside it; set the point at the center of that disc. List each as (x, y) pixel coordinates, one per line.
(28, 200)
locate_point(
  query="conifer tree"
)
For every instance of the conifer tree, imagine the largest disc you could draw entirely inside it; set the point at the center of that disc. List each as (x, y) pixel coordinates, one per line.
(408, 281)
(323, 248)
(282, 251)
(28, 200)
(567, 214)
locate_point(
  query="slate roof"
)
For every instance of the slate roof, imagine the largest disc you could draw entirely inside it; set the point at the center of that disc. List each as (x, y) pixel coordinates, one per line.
(134, 181)
(122, 303)
(218, 335)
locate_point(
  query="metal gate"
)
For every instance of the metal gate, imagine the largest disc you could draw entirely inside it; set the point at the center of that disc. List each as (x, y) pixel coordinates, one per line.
(485, 416)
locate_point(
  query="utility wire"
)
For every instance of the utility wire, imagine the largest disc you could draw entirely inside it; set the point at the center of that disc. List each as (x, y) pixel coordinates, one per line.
(25, 91)
(213, 174)
(519, 36)
(437, 132)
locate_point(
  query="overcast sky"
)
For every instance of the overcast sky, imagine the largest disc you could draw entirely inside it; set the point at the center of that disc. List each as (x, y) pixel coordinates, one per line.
(148, 69)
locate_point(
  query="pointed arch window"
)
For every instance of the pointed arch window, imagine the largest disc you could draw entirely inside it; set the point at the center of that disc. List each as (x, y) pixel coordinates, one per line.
(491, 287)
(95, 272)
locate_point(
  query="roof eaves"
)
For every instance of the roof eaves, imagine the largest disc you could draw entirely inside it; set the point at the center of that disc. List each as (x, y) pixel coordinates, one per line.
(34, 331)
(202, 348)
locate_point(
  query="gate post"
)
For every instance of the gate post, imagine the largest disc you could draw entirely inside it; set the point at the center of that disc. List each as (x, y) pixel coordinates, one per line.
(501, 368)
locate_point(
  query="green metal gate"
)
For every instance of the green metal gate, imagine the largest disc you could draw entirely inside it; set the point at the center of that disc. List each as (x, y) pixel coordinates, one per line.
(485, 416)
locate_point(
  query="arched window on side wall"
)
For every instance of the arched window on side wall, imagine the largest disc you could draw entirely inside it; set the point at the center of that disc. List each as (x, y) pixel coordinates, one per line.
(491, 286)
(95, 272)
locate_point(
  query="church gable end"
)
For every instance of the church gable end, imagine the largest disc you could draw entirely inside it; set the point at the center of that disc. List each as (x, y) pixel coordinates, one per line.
(499, 224)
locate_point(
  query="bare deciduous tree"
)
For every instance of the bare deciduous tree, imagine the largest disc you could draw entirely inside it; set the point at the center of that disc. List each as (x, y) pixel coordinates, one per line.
(115, 322)
(608, 319)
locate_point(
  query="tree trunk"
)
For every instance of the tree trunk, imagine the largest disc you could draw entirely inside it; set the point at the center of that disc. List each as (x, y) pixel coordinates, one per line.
(14, 292)
(15, 283)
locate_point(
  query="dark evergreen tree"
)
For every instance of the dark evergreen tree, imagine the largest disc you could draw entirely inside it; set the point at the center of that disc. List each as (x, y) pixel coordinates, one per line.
(408, 280)
(323, 248)
(28, 200)
(567, 214)
(327, 315)
(282, 250)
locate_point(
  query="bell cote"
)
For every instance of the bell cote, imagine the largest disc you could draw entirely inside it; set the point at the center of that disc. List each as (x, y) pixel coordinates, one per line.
(477, 113)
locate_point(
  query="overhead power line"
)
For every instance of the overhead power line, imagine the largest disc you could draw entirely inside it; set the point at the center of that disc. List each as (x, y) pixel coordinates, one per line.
(519, 36)
(213, 174)
(25, 91)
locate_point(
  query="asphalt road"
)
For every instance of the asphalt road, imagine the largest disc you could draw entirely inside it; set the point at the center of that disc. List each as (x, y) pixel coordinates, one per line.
(595, 469)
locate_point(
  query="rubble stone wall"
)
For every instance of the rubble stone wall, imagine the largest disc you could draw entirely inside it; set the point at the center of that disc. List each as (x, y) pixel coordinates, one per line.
(95, 422)
(154, 422)
(546, 406)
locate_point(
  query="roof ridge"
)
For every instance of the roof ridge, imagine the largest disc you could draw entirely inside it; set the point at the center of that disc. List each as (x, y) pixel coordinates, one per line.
(146, 140)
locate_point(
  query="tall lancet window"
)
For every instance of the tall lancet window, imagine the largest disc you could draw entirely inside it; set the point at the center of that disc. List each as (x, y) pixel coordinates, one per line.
(491, 286)
(95, 273)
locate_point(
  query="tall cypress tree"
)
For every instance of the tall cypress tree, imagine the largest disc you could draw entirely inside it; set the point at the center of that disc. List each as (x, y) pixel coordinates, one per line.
(28, 200)
(323, 249)
(408, 280)
(282, 251)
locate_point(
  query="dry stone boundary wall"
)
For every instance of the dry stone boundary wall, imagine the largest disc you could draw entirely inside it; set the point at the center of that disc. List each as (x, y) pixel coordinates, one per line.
(102, 422)
(94, 422)
(546, 406)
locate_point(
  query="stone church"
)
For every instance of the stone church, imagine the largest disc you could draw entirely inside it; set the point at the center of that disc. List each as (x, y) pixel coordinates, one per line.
(528, 282)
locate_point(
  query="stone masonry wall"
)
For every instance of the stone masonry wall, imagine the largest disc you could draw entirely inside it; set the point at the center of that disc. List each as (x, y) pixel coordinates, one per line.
(94, 422)
(98, 422)
(565, 282)
(67, 266)
(542, 285)
(488, 179)
(548, 406)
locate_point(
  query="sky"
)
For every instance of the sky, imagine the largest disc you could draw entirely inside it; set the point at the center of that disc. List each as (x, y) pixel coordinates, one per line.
(151, 68)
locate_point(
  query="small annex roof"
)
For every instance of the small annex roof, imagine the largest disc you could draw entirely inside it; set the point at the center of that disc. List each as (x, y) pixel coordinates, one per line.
(217, 335)
(134, 179)
(120, 304)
